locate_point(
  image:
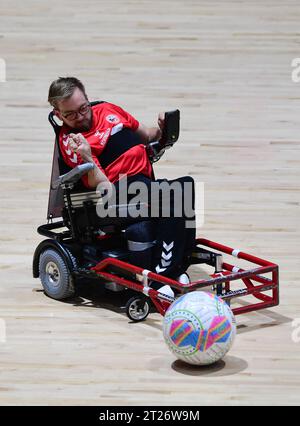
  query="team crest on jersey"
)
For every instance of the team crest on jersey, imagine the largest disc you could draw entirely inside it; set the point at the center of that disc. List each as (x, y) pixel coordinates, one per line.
(113, 119)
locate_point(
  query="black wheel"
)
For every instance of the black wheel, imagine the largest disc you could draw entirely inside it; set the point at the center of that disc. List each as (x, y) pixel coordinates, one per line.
(55, 275)
(137, 308)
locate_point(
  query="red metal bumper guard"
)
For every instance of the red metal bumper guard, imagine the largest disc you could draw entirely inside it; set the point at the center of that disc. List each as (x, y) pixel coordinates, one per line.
(254, 283)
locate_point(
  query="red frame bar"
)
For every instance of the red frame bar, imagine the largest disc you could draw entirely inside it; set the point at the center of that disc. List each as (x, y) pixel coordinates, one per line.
(226, 276)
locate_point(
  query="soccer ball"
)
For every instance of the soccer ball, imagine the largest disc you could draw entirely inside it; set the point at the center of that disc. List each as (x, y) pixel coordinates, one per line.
(199, 328)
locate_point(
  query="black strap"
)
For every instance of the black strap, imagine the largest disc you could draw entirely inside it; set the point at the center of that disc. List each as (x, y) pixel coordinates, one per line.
(117, 145)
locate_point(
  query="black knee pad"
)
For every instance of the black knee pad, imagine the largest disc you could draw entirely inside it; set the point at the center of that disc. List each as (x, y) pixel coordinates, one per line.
(140, 232)
(140, 241)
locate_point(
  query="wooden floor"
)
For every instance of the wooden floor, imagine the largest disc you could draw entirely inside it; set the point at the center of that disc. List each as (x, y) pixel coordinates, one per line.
(227, 66)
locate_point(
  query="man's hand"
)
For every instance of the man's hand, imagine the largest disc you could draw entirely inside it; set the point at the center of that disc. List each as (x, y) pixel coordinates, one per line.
(161, 121)
(80, 145)
(152, 134)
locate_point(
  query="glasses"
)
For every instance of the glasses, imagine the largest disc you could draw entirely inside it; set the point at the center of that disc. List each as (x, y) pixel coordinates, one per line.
(73, 115)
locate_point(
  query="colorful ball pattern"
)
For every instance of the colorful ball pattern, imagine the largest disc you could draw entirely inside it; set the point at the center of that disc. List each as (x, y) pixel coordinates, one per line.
(199, 328)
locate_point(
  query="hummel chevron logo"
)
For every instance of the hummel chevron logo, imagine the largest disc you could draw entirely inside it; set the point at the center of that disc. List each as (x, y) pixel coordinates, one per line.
(74, 159)
(158, 269)
(168, 247)
(69, 152)
(164, 263)
(166, 256)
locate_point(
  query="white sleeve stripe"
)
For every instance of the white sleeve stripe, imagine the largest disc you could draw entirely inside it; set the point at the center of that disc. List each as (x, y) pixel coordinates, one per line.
(116, 129)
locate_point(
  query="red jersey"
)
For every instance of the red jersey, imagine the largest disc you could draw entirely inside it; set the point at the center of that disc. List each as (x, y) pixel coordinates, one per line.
(108, 119)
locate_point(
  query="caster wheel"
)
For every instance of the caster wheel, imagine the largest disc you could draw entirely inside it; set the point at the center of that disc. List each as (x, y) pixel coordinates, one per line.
(137, 308)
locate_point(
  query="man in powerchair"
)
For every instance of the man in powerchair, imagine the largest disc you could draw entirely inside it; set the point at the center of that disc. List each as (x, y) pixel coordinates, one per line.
(116, 143)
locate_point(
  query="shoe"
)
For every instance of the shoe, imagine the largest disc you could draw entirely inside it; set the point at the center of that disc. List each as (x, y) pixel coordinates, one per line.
(166, 290)
(184, 279)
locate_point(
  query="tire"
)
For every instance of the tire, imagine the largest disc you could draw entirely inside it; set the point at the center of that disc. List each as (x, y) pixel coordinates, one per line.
(137, 308)
(55, 275)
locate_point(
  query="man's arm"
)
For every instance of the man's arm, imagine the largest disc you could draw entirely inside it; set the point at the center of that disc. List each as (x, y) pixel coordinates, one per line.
(151, 134)
(81, 146)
